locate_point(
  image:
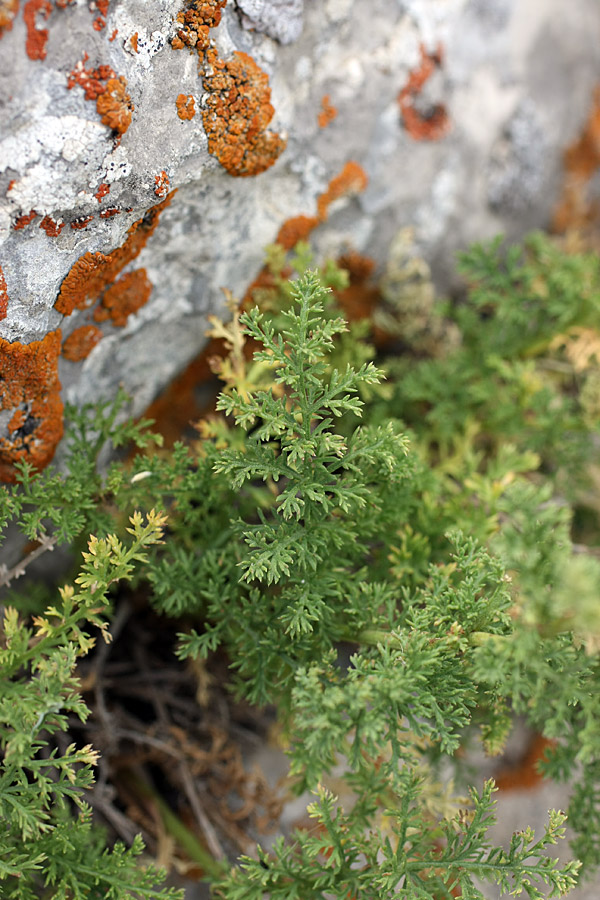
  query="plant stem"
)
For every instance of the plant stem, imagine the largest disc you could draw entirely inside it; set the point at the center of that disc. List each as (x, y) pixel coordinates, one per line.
(185, 838)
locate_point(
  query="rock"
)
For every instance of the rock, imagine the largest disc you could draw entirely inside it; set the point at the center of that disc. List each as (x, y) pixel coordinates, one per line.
(150, 149)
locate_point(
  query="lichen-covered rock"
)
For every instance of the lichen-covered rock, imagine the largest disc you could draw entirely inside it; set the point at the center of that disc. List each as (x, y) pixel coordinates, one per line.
(149, 149)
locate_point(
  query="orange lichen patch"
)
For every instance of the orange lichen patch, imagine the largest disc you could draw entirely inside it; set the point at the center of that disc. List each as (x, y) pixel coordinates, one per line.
(238, 108)
(113, 35)
(361, 296)
(8, 10)
(91, 80)
(3, 295)
(581, 162)
(25, 219)
(133, 40)
(161, 184)
(125, 297)
(102, 191)
(436, 123)
(37, 38)
(29, 383)
(17, 420)
(81, 342)
(99, 23)
(351, 180)
(102, 7)
(196, 21)
(328, 112)
(182, 402)
(109, 212)
(186, 108)
(81, 222)
(236, 115)
(298, 228)
(52, 228)
(525, 774)
(115, 105)
(92, 274)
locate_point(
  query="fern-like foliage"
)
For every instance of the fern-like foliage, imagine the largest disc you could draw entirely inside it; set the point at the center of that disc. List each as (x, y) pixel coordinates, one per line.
(47, 840)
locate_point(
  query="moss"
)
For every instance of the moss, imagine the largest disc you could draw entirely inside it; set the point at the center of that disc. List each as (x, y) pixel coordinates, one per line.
(30, 390)
(81, 342)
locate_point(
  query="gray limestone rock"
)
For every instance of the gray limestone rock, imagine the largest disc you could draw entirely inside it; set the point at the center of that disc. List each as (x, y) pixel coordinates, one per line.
(512, 80)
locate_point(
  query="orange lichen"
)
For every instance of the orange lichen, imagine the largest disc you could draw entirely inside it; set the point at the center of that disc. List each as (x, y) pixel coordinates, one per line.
(52, 228)
(93, 273)
(91, 80)
(81, 342)
(124, 297)
(361, 297)
(113, 35)
(109, 212)
(17, 420)
(328, 112)
(296, 229)
(237, 110)
(186, 108)
(133, 40)
(236, 115)
(581, 162)
(37, 38)
(3, 295)
(161, 184)
(436, 123)
(115, 106)
(102, 7)
(196, 21)
(30, 390)
(99, 23)
(525, 774)
(8, 11)
(81, 222)
(102, 191)
(352, 179)
(25, 219)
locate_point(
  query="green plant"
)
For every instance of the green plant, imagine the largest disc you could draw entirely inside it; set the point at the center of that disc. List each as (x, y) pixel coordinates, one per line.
(393, 587)
(47, 843)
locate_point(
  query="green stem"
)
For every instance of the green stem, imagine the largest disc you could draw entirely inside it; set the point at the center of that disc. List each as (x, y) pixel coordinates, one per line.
(184, 837)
